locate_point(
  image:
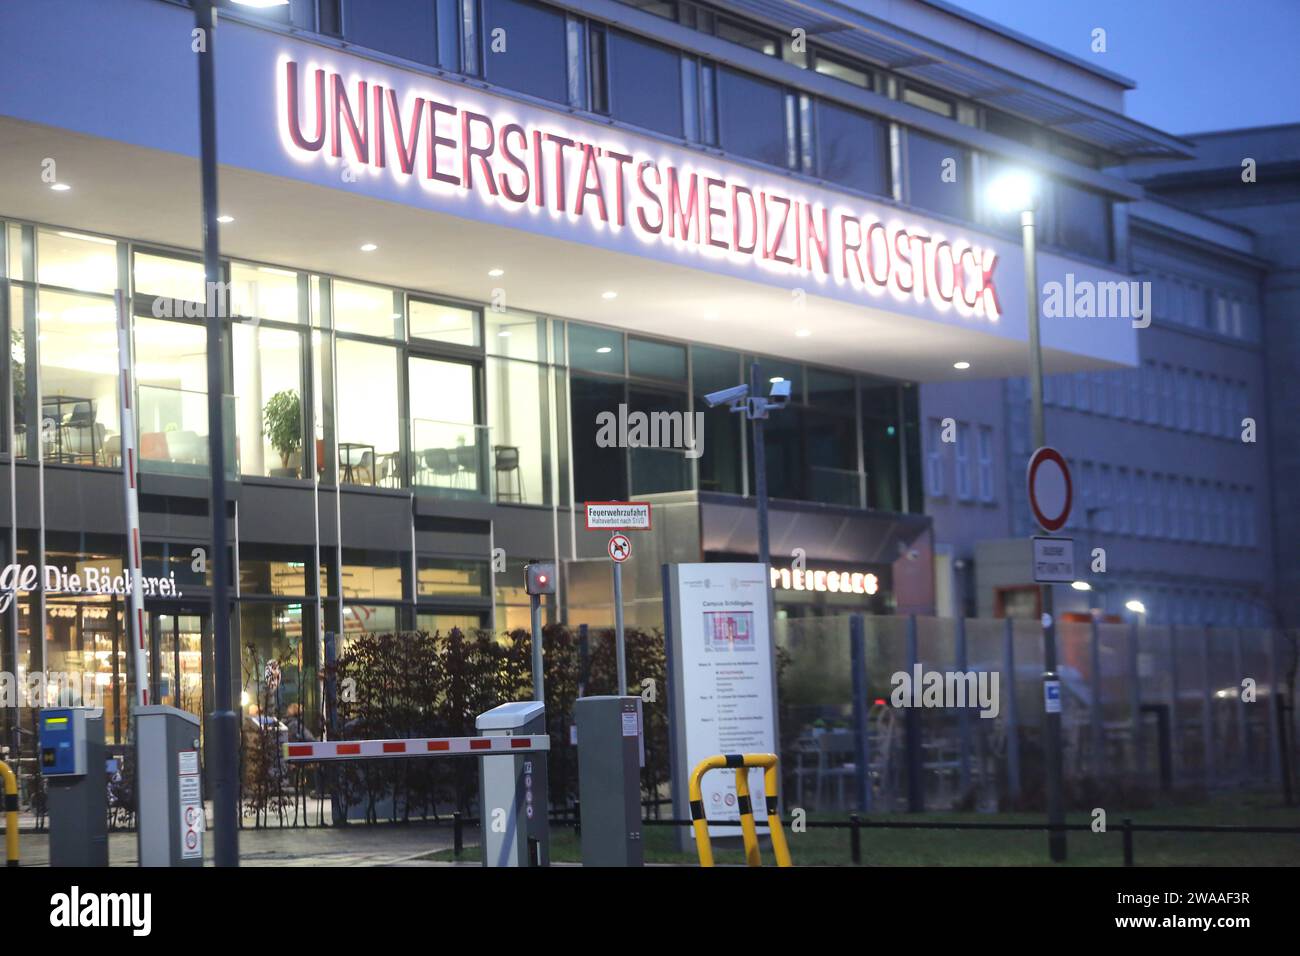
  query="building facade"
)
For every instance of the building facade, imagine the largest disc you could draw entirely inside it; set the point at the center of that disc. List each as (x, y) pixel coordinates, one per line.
(457, 235)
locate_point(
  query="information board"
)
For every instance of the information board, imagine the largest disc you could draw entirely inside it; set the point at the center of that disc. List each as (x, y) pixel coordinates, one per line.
(721, 673)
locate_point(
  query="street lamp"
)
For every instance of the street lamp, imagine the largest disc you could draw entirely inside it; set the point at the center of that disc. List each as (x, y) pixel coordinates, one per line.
(1017, 190)
(225, 723)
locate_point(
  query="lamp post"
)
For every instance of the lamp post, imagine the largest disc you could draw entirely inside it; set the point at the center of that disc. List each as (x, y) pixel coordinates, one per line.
(1015, 192)
(224, 722)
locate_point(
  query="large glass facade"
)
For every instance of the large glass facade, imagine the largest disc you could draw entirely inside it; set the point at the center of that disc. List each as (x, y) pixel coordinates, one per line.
(268, 381)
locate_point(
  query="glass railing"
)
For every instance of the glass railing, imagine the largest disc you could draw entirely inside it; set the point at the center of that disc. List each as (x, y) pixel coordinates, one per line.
(173, 426)
(833, 486)
(451, 458)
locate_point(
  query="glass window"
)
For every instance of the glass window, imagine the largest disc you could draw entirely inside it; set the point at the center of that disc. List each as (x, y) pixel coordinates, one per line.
(518, 335)
(1004, 125)
(734, 32)
(15, 234)
(1082, 220)
(367, 310)
(76, 261)
(169, 277)
(830, 450)
(402, 27)
(272, 569)
(367, 412)
(268, 384)
(519, 420)
(656, 359)
(645, 83)
(841, 71)
(595, 349)
(852, 149)
(963, 471)
(881, 455)
(79, 379)
(264, 292)
(272, 631)
(171, 379)
(443, 323)
(373, 574)
(720, 466)
(449, 34)
(751, 117)
(666, 467)
(530, 53)
(599, 470)
(929, 101)
(986, 463)
(448, 449)
(938, 175)
(443, 622)
(451, 578)
(833, 390)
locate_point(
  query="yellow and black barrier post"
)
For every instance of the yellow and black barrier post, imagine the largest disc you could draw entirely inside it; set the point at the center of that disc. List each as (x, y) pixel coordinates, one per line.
(11, 813)
(742, 763)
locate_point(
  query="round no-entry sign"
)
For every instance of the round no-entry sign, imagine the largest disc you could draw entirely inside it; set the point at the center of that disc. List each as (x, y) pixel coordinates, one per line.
(620, 547)
(1051, 492)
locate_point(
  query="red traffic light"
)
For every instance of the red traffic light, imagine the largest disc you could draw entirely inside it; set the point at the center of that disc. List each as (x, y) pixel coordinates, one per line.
(539, 578)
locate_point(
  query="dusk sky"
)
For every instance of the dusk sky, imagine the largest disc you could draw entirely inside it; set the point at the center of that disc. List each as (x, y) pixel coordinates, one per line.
(1198, 64)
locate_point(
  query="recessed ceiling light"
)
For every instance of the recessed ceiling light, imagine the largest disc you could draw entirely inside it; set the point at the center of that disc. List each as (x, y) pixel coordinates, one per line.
(961, 365)
(496, 273)
(60, 187)
(711, 316)
(604, 350)
(503, 334)
(225, 219)
(609, 295)
(369, 247)
(776, 378)
(803, 333)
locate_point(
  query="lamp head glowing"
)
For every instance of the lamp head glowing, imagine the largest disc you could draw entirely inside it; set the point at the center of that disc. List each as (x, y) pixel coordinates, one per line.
(1136, 606)
(1081, 585)
(1013, 191)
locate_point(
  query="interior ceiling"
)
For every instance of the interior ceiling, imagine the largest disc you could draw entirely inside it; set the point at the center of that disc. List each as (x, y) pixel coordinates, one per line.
(150, 196)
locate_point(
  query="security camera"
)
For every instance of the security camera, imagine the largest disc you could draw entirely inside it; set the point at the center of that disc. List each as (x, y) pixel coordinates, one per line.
(780, 393)
(727, 396)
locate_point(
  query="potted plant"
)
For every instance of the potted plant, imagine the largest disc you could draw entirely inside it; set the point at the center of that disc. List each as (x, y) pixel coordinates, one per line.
(282, 425)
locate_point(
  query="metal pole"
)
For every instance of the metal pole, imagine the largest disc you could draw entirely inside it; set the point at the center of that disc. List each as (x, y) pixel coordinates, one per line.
(535, 606)
(224, 723)
(1013, 708)
(912, 731)
(620, 651)
(1051, 721)
(764, 548)
(861, 740)
(1097, 726)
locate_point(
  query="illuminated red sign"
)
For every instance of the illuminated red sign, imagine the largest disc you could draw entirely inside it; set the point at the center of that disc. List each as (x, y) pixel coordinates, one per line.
(524, 164)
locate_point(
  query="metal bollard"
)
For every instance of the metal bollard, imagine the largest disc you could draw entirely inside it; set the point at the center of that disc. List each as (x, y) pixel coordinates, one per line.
(855, 838)
(1127, 828)
(11, 813)
(458, 835)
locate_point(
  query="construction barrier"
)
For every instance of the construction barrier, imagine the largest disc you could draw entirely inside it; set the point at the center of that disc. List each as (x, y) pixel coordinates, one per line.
(742, 763)
(11, 813)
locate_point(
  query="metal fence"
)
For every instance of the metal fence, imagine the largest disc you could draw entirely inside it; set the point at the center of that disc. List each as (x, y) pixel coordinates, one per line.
(1142, 708)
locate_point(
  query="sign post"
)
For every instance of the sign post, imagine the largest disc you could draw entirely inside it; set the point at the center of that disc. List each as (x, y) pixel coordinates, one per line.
(619, 516)
(1051, 493)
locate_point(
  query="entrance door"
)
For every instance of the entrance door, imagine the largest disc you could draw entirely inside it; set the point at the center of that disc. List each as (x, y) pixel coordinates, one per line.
(178, 643)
